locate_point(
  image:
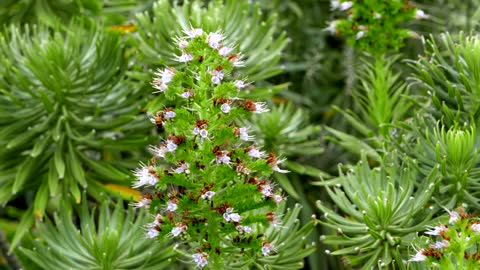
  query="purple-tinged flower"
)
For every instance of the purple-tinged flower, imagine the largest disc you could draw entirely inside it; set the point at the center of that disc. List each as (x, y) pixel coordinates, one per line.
(244, 229)
(437, 230)
(222, 157)
(454, 217)
(440, 244)
(171, 206)
(420, 14)
(159, 151)
(254, 152)
(208, 195)
(214, 39)
(240, 84)
(183, 168)
(194, 32)
(224, 50)
(164, 77)
(332, 27)
(475, 227)
(185, 57)
(186, 94)
(217, 76)
(145, 176)
(201, 259)
(225, 108)
(179, 228)
(152, 233)
(169, 114)
(277, 198)
(260, 107)
(182, 43)
(267, 248)
(419, 256)
(170, 145)
(144, 202)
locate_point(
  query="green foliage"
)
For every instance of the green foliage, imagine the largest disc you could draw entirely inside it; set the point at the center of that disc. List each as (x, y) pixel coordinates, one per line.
(450, 74)
(67, 113)
(432, 144)
(217, 174)
(374, 25)
(382, 209)
(243, 24)
(109, 239)
(49, 12)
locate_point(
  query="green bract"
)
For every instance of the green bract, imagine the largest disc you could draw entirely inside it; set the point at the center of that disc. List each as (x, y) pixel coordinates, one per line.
(383, 209)
(67, 113)
(109, 239)
(243, 25)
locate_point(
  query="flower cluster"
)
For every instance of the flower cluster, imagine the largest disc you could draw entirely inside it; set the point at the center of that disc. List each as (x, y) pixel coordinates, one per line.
(374, 25)
(207, 183)
(454, 245)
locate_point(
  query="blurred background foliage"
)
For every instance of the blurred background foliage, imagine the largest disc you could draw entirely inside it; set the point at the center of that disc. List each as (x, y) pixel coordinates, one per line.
(330, 109)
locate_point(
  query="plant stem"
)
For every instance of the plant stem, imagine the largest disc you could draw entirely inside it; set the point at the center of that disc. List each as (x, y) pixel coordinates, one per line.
(12, 260)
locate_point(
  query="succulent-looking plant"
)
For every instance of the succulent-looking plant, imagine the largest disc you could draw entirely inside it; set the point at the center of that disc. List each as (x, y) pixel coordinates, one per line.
(454, 149)
(449, 74)
(67, 113)
(374, 25)
(212, 191)
(383, 209)
(109, 239)
(454, 245)
(254, 33)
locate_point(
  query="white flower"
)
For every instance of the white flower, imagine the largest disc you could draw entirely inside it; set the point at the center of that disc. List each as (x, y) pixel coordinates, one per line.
(185, 57)
(240, 84)
(440, 244)
(171, 146)
(243, 134)
(267, 248)
(454, 217)
(332, 27)
(159, 85)
(169, 114)
(267, 190)
(164, 77)
(225, 108)
(182, 43)
(184, 168)
(419, 256)
(145, 176)
(234, 217)
(152, 233)
(255, 153)
(475, 227)
(194, 32)
(178, 229)
(360, 34)
(335, 4)
(346, 5)
(144, 202)
(159, 151)
(217, 76)
(171, 206)
(203, 133)
(186, 94)
(222, 157)
(260, 107)
(420, 14)
(377, 15)
(214, 39)
(208, 195)
(277, 198)
(236, 60)
(223, 51)
(437, 230)
(201, 259)
(244, 229)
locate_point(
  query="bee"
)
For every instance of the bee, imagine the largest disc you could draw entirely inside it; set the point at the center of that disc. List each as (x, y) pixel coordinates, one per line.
(158, 121)
(200, 59)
